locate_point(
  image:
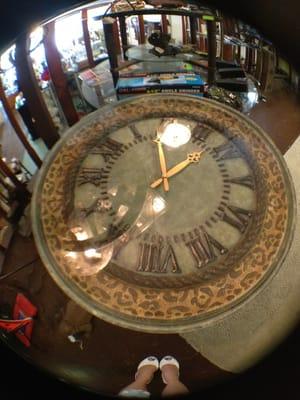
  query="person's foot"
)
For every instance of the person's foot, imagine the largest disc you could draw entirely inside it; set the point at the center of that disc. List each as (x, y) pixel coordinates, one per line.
(146, 369)
(169, 367)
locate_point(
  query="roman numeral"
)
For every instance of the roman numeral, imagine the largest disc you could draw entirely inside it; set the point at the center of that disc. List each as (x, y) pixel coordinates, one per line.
(226, 151)
(91, 175)
(205, 248)
(238, 218)
(149, 255)
(170, 261)
(107, 149)
(246, 180)
(151, 258)
(135, 132)
(201, 132)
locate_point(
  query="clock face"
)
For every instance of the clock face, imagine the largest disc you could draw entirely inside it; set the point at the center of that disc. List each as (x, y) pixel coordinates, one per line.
(162, 212)
(203, 216)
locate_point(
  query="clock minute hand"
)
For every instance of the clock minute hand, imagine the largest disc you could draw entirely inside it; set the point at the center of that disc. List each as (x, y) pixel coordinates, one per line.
(163, 165)
(191, 158)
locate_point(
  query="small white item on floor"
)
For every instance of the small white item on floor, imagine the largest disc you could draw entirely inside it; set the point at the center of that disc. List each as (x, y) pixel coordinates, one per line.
(24, 225)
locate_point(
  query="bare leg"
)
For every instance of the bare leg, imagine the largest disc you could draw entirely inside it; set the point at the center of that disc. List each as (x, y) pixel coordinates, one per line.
(173, 385)
(143, 376)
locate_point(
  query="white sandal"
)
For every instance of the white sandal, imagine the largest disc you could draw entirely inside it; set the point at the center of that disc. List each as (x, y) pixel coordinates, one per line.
(168, 360)
(150, 360)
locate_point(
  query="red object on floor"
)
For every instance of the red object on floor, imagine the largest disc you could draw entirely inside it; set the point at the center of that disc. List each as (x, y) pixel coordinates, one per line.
(11, 325)
(23, 309)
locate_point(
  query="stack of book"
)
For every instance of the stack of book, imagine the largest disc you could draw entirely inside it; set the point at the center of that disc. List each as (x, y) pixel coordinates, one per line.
(185, 83)
(92, 79)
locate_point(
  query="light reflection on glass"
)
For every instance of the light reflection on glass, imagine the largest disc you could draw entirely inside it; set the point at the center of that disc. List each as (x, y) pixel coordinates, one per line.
(90, 253)
(158, 204)
(153, 207)
(72, 254)
(92, 260)
(175, 134)
(122, 210)
(113, 191)
(89, 261)
(80, 233)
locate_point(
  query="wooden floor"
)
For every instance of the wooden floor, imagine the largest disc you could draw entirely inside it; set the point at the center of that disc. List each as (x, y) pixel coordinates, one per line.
(110, 354)
(279, 116)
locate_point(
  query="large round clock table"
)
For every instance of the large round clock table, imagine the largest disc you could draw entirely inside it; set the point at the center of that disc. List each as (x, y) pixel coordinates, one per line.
(163, 213)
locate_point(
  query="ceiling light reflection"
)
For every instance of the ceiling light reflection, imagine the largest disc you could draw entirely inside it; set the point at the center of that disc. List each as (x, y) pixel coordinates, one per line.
(96, 260)
(122, 210)
(175, 134)
(158, 204)
(91, 253)
(72, 254)
(113, 191)
(80, 233)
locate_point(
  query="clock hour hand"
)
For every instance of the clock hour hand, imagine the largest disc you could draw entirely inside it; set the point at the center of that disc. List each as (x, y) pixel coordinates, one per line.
(191, 158)
(162, 162)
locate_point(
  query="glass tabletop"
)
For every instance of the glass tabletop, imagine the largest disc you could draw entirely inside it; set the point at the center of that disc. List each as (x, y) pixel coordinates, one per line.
(139, 255)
